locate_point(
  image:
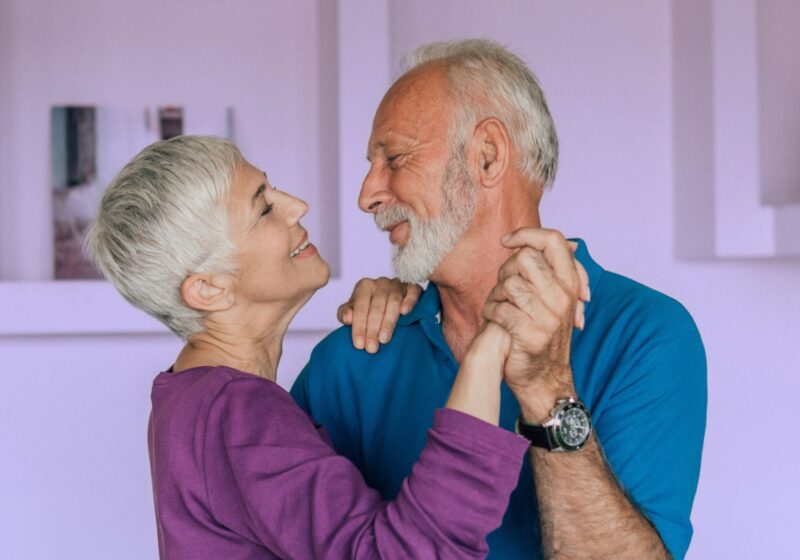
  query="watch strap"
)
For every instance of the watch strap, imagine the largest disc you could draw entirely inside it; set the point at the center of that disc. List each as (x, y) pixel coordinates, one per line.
(539, 436)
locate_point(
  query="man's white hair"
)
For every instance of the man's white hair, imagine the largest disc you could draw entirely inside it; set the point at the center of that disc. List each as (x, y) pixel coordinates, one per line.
(487, 80)
(164, 217)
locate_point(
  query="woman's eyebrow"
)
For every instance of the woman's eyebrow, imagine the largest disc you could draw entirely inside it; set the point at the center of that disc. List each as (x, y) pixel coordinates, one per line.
(261, 188)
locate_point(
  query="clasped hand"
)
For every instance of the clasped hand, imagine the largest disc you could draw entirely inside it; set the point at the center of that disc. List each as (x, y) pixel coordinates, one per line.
(539, 298)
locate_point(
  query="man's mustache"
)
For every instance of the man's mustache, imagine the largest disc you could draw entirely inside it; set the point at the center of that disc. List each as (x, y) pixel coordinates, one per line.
(393, 215)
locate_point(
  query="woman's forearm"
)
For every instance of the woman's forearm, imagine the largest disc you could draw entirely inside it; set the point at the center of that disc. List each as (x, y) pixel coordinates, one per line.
(476, 390)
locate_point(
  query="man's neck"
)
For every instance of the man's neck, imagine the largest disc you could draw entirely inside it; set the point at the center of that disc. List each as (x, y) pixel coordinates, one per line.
(470, 271)
(462, 309)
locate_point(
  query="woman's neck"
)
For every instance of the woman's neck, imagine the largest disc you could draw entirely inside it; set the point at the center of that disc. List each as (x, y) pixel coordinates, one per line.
(251, 350)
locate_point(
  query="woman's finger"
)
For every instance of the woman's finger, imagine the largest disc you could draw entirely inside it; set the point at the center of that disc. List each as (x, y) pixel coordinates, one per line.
(361, 298)
(389, 319)
(583, 276)
(413, 291)
(580, 317)
(377, 311)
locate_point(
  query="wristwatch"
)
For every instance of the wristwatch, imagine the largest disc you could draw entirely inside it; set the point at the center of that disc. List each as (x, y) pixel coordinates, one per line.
(568, 429)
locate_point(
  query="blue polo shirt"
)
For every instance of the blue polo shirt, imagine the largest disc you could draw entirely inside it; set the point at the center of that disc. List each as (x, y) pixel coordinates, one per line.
(639, 366)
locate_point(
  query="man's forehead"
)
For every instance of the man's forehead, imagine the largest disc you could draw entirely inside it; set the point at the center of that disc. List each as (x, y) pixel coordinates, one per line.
(424, 86)
(408, 108)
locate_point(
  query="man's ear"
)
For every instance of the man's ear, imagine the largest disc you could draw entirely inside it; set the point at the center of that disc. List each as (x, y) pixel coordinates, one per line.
(491, 150)
(208, 292)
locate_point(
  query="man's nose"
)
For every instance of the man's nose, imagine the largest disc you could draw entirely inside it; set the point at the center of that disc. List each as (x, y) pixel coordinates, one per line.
(374, 191)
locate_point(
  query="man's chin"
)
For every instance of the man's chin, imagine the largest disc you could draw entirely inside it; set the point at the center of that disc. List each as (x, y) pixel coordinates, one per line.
(410, 269)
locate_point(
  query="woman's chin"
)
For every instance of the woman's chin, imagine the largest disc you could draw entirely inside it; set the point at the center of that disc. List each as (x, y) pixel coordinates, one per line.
(326, 275)
(321, 279)
(321, 274)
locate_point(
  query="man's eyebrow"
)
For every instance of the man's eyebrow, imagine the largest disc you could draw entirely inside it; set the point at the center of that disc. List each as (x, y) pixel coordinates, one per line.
(378, 146)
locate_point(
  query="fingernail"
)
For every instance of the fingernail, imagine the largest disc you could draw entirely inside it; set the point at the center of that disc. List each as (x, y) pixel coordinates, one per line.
(573, 245)
(405, 309)
(383, 337)
(348, 315)
(583, 322)
(372, 346)
(505, 238)
(360, 342)
(588, 297)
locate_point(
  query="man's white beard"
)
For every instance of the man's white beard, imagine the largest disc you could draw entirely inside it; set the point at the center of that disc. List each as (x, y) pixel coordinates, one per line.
(430, 241)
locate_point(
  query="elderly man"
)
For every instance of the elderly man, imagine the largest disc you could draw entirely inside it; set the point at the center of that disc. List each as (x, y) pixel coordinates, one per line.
(461, 150)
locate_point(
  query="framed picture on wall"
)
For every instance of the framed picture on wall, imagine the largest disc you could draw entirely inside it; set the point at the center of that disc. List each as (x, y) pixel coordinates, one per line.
(89, 145)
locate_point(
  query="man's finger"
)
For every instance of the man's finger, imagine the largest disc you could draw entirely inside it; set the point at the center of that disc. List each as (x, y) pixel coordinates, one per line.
(533, 336)
(530, 266)
(552, 245)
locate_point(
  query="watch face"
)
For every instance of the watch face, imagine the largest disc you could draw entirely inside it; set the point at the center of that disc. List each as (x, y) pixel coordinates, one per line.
(574, 427)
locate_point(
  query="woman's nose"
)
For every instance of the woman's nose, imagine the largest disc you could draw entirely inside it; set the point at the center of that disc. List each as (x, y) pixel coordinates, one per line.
(297, 208)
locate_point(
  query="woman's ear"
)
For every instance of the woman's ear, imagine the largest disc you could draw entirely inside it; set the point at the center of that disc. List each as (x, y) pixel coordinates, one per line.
(208, 292)
(492, 151)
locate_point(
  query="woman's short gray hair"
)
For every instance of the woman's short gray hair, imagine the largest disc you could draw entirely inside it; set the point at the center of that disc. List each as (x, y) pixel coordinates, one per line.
(164, 217)
(488, 80)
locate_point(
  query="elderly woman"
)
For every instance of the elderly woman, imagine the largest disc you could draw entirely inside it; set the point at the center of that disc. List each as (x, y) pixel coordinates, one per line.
(193, 234)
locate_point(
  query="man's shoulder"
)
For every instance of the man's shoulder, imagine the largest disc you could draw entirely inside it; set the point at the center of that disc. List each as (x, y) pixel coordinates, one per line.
(636, 332)
(620, 298)
(638, 335)
(338, 345)
(334, 359)
(619, 301)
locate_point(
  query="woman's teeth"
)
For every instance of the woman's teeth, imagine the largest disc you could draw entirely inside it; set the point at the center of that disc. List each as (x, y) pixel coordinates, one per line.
(300, 249)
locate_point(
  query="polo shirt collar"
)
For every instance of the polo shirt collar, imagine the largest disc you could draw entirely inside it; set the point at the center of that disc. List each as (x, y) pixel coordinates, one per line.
(593, 269)
(429, 304)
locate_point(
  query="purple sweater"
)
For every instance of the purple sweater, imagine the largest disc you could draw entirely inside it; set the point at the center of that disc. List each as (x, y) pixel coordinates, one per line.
(240, 471)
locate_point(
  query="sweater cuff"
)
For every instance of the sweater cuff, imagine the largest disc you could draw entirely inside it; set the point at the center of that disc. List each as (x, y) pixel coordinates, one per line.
(474, 431)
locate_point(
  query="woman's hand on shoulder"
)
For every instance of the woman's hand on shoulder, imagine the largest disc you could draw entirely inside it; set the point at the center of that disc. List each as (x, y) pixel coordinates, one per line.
(373, 310)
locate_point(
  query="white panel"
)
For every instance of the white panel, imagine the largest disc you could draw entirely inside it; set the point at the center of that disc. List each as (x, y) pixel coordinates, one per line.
(728, 115)
(743, 226)
(787, 229)
(692, 128)
(779, 85)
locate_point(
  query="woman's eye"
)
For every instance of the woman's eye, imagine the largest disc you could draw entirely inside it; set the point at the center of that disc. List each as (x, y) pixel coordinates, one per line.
(267, 210)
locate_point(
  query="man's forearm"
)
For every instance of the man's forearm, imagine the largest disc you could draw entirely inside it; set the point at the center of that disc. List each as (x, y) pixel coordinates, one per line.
(583, 511)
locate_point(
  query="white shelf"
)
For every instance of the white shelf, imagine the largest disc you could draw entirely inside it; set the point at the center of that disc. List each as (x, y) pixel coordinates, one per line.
(94, 307)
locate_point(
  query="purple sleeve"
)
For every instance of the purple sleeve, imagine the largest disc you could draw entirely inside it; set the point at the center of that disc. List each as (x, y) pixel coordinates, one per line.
(300, 499)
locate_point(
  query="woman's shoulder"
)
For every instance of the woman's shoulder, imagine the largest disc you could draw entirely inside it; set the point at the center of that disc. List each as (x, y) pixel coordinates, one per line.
(248, 407)
(215, 387)
(216, 379)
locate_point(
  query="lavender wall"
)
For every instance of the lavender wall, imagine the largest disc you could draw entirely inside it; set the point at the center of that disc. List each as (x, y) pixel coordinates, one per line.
(74, 406)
